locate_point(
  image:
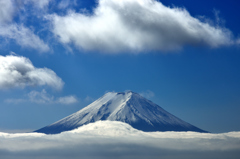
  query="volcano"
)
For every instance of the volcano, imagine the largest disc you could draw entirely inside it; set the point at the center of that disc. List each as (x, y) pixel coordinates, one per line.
(127, 107)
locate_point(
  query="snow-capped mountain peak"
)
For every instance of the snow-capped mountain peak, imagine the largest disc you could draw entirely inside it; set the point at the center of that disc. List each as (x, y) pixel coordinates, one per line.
(128, 107)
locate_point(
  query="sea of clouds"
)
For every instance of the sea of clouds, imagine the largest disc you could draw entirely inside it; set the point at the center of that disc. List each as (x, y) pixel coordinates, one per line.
(112, 139)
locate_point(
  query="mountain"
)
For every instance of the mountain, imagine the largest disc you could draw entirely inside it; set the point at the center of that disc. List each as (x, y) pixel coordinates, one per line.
(128, 107)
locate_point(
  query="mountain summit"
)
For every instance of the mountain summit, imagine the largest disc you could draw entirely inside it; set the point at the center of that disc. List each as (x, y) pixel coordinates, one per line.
(128, 107)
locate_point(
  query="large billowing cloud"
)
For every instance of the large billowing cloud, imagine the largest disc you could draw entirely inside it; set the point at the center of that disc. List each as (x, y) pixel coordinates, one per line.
(112, 139)
(136, 25)
(18, 71)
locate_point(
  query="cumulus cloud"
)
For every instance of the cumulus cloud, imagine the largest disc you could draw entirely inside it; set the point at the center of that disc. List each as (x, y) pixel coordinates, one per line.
(18, 71)
(136, 25)
(112, 139)
(44, 98)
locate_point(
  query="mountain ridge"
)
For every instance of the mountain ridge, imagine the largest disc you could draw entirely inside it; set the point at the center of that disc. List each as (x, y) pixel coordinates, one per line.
(128, 107)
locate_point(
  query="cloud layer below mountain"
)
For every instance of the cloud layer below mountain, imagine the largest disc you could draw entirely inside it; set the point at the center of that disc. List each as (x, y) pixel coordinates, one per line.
(111, 139)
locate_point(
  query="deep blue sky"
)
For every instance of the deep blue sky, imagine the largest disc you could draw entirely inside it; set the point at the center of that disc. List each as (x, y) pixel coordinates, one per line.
(197, 83)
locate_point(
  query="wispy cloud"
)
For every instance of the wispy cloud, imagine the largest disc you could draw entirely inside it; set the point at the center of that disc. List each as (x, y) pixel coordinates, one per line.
(147, 94)
(63, 4)
(6, 11)
(40, 97)
(89, 99)
(136, 26)
(18, 71)
(43, 98)
(39, 3)
(23, 36)
(18, 32)
(67, 100)
(238, 41)
(112, 139)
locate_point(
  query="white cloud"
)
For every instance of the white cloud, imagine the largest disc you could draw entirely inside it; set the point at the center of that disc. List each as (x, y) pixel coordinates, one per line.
(6, 11)
(23, 37)
(147, 94)
(137, 26)
(112, 139)
(238, 41)
(67, 100)
(38, 3)
(64, 4)
(40, 97)
(90, 99)
(18, 71)
(43, 98)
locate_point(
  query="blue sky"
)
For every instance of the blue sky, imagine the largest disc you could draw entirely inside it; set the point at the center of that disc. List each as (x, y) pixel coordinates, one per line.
(58, 56)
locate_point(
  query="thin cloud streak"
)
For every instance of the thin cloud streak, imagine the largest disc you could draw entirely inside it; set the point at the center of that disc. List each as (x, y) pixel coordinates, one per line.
(43, 98)
(67, 100)
(112, 139)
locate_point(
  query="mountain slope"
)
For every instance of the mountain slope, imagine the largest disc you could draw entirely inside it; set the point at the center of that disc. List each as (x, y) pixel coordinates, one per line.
(128, 107)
